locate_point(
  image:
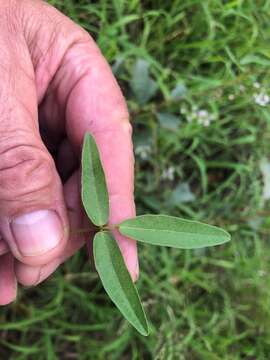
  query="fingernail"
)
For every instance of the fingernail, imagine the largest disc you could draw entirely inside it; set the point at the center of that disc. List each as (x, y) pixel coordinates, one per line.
(37, 232)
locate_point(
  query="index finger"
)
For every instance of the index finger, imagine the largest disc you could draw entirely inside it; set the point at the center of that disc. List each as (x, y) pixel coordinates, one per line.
(95, 104)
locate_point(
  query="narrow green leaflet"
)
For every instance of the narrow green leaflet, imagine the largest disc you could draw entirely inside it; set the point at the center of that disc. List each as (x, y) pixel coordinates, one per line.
(117, 281)
(171, 231)
(94, 189)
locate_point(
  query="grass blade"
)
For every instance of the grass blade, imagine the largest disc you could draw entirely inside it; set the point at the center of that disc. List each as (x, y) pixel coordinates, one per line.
(95, 196)
(171, 231)
(117, 281)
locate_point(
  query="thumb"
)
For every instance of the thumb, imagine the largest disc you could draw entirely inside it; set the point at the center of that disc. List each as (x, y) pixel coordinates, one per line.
(33, 218)
(32, 210)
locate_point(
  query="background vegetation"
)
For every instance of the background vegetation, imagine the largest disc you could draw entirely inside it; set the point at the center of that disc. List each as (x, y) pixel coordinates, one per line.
(196, 75)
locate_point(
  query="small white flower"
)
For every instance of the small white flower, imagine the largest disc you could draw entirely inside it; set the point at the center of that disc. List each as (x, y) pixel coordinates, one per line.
(143, 151)
(203, 114)
(261, 98)
(204, 117)
(231, 97)
(242, 87)
(168, 174)
(257, 85)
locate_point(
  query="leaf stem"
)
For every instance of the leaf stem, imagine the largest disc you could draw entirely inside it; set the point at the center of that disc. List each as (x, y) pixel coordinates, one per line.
(110, 227)
(95, 230)
(83, 231)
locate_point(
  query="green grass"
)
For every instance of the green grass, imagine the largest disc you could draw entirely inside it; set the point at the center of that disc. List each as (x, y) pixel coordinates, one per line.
(208, 304)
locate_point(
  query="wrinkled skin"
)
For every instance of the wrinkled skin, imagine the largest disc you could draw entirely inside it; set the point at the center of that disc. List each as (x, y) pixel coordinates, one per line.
(55, 86)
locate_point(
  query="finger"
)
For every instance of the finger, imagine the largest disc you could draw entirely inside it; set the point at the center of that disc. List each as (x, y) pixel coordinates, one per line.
(33, 275)
(95, 104)
(29, 275)
(33, 218)
(104, 114)
(8, 283)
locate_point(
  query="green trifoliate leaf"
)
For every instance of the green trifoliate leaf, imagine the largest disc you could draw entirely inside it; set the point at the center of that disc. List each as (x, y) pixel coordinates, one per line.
(171, 231)
(94, 189)
(117, 282)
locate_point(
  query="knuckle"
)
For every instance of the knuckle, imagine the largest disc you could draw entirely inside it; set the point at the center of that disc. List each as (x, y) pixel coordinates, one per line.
(10, 12)
(127, 127)
(24, 170)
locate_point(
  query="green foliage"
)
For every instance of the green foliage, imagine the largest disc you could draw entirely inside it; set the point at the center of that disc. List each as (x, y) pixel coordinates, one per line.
(117, 281)
(95, 196)
(154, 229)
(164, 230)
(205, 304)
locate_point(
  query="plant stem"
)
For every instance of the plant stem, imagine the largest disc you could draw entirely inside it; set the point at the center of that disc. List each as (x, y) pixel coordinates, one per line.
(83, 231)
(110, 227)
(91, 230)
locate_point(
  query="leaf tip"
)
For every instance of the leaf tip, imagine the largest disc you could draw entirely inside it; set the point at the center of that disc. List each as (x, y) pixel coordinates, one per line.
(227, 236)
(143, 329)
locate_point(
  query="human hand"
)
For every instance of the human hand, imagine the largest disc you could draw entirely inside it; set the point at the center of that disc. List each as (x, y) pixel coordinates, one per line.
(55, 86)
